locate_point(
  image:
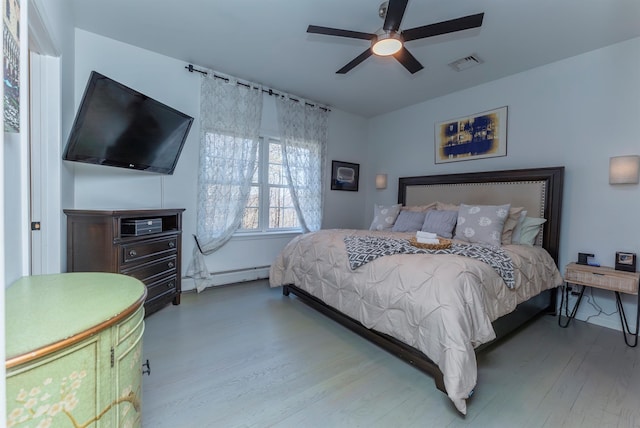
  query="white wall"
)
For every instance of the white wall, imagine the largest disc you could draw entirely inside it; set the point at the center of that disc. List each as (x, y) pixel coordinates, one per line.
(347, 143)
(165, 79)
(577, 112)
(15, 172)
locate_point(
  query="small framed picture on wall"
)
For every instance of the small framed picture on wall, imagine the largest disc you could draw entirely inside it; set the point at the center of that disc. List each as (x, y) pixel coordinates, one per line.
(625, 261)
(344, 176)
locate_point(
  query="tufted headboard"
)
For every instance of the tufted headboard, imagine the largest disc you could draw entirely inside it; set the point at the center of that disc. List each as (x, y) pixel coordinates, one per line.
(538, 190)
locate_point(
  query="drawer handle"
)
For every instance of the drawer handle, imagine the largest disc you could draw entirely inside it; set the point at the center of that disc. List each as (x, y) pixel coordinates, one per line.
(170, 285)
(132, 253)
(170, 264)
(172, 244)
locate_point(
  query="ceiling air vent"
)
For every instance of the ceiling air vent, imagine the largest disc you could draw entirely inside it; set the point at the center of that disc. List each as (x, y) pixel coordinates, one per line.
(466, 62)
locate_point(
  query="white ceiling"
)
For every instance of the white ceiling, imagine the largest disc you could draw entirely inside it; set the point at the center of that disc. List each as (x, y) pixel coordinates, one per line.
(265, 41)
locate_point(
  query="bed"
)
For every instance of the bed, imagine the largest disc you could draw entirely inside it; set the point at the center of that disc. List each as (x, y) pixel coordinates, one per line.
(437, 309)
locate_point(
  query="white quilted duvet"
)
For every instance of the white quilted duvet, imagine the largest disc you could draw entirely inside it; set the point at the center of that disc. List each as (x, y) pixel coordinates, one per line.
(442, 305)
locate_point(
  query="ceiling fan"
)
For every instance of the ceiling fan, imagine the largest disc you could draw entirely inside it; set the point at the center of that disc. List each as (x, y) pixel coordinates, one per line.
(390, 40)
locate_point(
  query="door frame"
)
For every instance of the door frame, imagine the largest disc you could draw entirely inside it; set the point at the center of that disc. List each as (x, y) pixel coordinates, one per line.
(45, 148)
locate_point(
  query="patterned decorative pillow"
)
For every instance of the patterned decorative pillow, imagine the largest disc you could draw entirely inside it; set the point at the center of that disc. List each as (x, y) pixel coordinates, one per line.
(384, 216)
(440, 222)
(481, 224)
(408, 221)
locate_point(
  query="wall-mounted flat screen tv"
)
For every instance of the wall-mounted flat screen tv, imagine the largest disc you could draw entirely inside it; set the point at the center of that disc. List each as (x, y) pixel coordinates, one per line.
(118, 126)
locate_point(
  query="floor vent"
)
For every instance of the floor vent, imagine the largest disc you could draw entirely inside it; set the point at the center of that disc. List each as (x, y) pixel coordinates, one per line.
(466, 62)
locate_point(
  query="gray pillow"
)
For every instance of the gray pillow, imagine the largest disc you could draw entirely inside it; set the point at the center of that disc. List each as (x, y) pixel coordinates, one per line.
(384, 216)
(482, 224)
(408, 221)
(440, 222)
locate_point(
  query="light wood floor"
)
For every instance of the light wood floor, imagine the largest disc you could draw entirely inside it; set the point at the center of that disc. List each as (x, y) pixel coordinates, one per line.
(245, 356)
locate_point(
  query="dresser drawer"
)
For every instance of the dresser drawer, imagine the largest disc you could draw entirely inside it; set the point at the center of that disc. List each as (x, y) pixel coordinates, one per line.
(135, 252)
(604, 278)
(152, 270)
(162, 286)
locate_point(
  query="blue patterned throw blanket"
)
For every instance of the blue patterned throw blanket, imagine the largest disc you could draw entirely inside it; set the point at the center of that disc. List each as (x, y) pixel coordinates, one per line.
(364, 249)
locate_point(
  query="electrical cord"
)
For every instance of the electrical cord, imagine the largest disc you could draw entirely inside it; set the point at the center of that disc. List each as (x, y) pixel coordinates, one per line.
(591, 299)
(626, 331)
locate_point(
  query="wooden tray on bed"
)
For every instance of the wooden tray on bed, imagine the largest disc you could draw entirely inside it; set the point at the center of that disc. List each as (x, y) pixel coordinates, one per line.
(443, 245)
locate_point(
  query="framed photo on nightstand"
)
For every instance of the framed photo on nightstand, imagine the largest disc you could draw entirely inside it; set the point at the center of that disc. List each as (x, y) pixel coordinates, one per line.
(625, 261)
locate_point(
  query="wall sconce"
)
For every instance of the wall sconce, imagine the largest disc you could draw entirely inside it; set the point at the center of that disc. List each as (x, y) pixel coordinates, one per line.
(624, 169)
(381, 181)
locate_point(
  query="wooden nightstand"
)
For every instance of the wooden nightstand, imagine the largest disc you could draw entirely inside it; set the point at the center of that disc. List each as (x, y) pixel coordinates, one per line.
(605, 278)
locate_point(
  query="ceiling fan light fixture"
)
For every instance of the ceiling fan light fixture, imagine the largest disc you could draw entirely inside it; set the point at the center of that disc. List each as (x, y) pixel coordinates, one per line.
(387, 44)
(389, 40)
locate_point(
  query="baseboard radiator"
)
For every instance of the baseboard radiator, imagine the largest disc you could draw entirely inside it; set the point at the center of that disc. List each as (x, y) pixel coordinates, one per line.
(240, 275)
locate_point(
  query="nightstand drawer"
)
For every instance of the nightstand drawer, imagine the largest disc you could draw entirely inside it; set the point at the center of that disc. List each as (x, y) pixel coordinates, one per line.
(601, 277)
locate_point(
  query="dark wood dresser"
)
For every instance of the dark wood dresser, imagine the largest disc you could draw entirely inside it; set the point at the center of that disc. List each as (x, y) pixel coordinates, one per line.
(120, 241)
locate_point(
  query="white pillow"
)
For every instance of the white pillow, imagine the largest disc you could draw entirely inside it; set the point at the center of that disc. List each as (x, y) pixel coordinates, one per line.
(384, 216)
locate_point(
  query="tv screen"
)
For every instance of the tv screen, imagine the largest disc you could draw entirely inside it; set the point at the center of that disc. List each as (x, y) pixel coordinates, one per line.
(118, 126)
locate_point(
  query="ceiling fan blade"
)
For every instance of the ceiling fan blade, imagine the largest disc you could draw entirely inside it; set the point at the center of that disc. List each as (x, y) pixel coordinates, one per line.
(395, 12)
(444, 27)
(340, 33)
(410, 62)
(357, 60)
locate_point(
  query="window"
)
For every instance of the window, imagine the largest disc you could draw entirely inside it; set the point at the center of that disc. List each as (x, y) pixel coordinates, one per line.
(269, 207)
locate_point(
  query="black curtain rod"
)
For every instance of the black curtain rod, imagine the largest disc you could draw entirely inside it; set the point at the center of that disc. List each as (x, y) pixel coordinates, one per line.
(269, 91)
(191, 69)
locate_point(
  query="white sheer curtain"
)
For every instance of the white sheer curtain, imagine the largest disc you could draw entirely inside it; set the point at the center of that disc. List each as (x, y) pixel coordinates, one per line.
(230, 115)
(303, 133)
